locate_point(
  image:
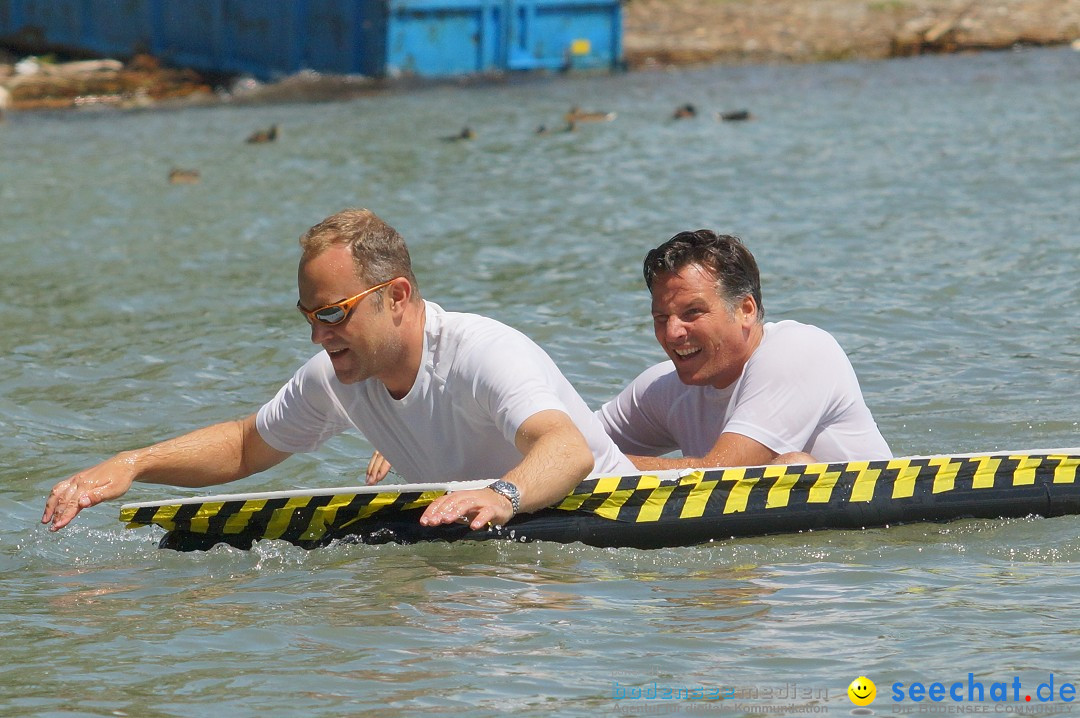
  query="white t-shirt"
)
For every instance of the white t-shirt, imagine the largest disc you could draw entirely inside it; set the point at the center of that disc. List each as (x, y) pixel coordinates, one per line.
(479, 380)
(797, 392)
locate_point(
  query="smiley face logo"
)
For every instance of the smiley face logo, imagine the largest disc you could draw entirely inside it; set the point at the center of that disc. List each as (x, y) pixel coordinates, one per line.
(862, 691)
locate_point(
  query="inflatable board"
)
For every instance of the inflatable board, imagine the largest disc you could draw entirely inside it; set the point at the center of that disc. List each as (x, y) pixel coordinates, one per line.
(652, 509)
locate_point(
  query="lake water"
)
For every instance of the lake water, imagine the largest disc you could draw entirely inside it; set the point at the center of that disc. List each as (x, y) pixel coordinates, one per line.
(924, 211)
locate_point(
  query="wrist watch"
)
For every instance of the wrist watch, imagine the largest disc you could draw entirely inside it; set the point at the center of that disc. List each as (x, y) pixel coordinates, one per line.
(505, 488)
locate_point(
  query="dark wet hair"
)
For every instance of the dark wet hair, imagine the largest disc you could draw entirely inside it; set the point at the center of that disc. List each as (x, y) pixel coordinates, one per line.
(723, 255)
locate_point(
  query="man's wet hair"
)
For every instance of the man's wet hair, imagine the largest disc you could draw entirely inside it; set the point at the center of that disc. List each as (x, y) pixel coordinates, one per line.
(722, 255)
(379, 252)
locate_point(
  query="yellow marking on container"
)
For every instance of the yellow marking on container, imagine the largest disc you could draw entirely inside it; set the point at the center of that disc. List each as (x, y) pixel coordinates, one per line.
(128, 517)
(700, 491)
(986, 472)
(821, 491)
(613, 504)
(580, 46)
(1024, 474)
(735, 473)
(780, 491)
(324, 516)
(239, 521)
(422, 500)
(164, 516)
(862, 489)
(648, 481)
(381, 501)
(316, 526)
(313, 532)
(280, 519)
(328, 513)
(904, 486)
(774, 471)
(654, 504)
(945, 476)
(321, 518)
(573, 502)
(1065, 473)
(607, 485)
(377, 503)
(738, 496)
(200, 522)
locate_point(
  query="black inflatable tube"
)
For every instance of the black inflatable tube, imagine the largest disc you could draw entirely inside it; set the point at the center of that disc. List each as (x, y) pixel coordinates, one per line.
(734, 503)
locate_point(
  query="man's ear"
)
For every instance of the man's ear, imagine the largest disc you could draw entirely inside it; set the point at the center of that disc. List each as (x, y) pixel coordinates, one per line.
(748, 309)
(401, 291)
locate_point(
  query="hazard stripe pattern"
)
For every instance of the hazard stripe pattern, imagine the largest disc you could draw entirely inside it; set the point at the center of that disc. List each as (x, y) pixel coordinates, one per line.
(645, 498)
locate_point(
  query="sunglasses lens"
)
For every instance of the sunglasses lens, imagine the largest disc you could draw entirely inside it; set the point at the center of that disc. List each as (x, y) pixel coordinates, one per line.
(330, 315)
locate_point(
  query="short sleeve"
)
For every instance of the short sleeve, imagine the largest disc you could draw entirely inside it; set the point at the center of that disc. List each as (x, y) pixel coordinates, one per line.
(304, 414)
(512, 384)
(637, 418)
(782, 403)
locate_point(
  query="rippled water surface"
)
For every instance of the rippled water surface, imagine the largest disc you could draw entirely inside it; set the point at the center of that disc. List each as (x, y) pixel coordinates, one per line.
(924, 211)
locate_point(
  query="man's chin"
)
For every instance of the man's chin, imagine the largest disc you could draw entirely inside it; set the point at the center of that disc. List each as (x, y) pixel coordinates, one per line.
(688, 376)
(349, 375)
(686, 369)
(695, 375)
(346, 374)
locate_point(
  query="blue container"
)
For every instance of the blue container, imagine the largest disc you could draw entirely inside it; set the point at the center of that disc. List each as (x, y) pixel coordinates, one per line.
(424, 38)
(446, 37)
(102, 32)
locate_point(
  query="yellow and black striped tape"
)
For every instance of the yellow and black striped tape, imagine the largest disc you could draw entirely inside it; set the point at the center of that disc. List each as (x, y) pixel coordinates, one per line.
(719, 492)
(768, 491)
(298, 518)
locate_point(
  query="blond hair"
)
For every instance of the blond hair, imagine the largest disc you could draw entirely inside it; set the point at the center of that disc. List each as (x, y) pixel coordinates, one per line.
(379, 252)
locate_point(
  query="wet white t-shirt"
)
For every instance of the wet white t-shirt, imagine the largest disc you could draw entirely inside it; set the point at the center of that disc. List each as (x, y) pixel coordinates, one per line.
(797, 392)
(479, 380)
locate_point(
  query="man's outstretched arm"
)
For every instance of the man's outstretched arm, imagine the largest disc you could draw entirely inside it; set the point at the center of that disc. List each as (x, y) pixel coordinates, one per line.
(212, 455)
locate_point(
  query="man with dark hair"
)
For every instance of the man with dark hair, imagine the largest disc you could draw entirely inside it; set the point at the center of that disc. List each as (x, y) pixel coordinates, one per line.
(431, 389)
(737, 391)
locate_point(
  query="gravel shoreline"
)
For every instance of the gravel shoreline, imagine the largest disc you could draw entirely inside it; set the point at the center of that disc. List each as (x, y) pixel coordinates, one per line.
(656, 33)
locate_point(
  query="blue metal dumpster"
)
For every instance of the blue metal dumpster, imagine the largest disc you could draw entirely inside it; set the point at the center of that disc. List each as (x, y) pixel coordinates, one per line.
(377, 38)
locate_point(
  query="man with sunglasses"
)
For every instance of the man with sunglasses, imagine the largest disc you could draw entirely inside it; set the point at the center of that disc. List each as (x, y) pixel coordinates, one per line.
(737, 391)
(442, 395)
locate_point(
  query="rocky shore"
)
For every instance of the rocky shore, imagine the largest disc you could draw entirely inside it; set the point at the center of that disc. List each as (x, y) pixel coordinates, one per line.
(33, 83)
(656, 33)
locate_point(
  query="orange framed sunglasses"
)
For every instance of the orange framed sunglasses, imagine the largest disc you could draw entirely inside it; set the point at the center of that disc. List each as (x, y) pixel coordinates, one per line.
(338, 312)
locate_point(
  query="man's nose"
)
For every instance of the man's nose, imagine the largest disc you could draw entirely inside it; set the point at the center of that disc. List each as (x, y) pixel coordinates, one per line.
(319, 332)
(674, 329)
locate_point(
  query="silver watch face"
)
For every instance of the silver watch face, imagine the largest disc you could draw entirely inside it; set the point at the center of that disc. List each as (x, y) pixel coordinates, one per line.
(508, 490)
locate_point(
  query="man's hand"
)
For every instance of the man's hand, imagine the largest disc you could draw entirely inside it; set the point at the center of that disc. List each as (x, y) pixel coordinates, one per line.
(555, 458)
(205, 457)
(377, 469)
(108, 480)
(478, 507)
